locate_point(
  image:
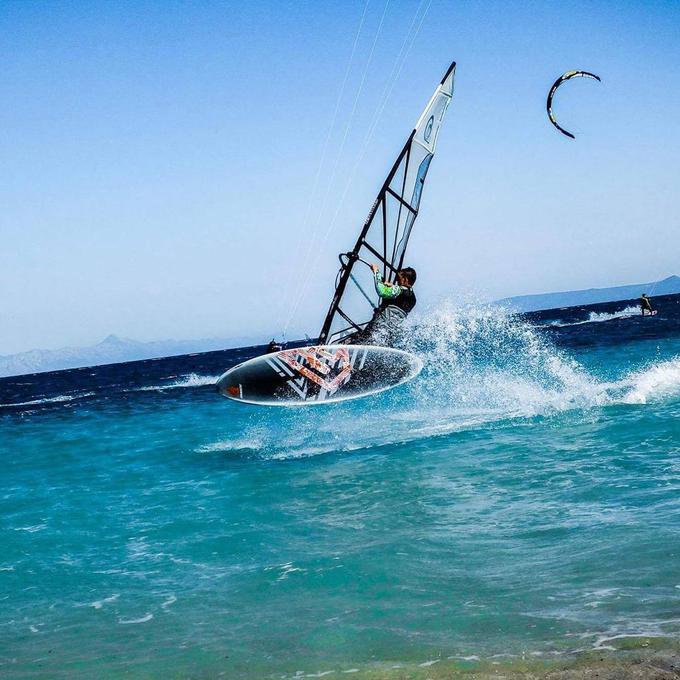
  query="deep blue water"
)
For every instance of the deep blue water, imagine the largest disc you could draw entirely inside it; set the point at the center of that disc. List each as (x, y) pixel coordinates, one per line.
(518, 500)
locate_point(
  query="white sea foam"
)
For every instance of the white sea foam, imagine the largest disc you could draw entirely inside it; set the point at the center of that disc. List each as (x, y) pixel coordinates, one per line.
(170, 601)
(599, 317)
(98, 604)
(642, 629)
(655, 382)
(190, 380)
(49, 400)
(627, 628)
(32, 529)
(482, 367)
(470, 657)
(237, 444)
(143, 619)
(284, 570)
(486, 359)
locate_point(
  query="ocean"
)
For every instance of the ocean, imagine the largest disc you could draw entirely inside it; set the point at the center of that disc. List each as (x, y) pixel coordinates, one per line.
(517, 503)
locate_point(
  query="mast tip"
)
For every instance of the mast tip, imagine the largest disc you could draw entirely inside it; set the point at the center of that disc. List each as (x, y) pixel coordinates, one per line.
(448, 72)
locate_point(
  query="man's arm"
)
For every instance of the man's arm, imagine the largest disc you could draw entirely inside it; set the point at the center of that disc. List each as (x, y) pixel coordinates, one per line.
(385, 290)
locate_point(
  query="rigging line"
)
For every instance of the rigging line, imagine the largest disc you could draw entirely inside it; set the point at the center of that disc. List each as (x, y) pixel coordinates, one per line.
(353, 112)
(367, 139)
(656, 283)
(341, 93)
(309, 257)
(394, 75)
(407, 44)
(376, 120)
(310, 249)
(396, 69)
(388, 90)
(308, 212)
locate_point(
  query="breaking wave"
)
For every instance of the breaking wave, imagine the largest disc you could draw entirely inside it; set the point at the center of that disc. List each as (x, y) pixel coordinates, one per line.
(485, 359)
(60, 399)
(231, 445)
(191, 380)
(599, 317)
(656, 382)
(482, 368)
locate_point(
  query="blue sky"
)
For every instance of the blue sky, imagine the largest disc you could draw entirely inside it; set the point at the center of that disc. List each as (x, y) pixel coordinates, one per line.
(158, 159)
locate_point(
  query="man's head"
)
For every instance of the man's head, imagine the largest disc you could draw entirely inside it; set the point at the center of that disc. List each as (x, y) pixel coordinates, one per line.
(644, 295)
(406, 276)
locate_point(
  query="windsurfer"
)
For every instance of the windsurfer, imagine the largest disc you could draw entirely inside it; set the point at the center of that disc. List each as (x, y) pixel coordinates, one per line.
(396, 301)
(356, 310)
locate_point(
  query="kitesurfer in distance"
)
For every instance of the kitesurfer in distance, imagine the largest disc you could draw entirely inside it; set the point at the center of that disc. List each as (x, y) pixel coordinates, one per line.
(396, 301)
(646, 305)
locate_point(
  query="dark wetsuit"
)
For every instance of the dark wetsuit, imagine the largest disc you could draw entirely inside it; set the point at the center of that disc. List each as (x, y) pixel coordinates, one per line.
(405, 300)
(646, 305)
(395, 303)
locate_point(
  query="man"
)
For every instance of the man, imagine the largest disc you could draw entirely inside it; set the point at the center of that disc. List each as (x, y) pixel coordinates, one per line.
(396, 301)
(646, 305)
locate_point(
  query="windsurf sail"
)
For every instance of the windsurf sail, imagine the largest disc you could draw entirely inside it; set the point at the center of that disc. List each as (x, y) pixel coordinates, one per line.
(387, 229)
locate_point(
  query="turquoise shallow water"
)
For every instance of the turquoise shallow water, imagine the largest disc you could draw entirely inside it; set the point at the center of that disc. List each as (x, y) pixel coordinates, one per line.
(519, 499)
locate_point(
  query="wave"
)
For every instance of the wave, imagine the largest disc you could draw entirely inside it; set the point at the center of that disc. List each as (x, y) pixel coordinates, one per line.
(190, 380)
(653, 383)
(597, 317)
(49, 400)
(486, 359)
(482, 368)
(252, 444)
(185, 381)
(142, 619)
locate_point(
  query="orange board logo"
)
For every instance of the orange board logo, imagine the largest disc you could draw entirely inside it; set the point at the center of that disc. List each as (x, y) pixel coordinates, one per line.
(329, 369)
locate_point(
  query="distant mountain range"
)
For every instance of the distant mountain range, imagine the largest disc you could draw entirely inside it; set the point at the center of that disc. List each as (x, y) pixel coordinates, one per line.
(114, 350)
(590, 296)
(111, 350)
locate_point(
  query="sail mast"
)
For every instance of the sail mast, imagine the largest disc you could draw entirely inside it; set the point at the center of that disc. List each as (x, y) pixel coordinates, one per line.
(390, 232)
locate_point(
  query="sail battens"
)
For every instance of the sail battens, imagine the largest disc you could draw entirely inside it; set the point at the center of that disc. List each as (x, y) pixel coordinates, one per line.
(386, 232)
(351, 323)
(380, 257)
(402, 201)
